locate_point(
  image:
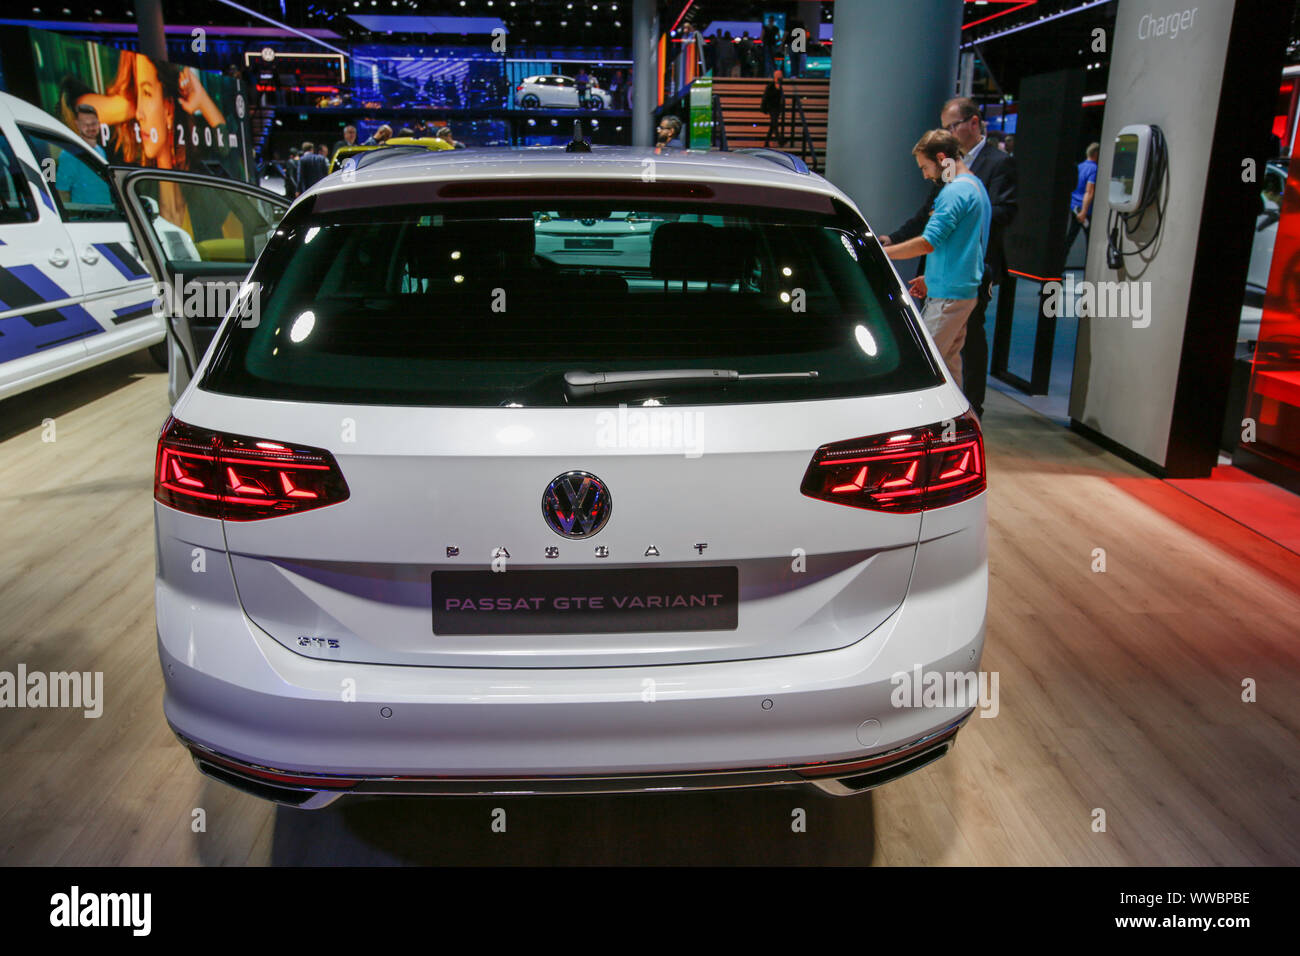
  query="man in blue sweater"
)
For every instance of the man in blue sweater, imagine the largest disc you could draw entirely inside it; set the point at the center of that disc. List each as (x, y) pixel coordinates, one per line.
(954, 241)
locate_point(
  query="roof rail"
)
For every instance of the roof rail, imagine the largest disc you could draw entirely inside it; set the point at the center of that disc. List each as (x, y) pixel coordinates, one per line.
(788, 160)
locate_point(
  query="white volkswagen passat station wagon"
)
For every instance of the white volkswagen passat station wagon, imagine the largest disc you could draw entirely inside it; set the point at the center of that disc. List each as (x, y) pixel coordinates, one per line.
(451, 515)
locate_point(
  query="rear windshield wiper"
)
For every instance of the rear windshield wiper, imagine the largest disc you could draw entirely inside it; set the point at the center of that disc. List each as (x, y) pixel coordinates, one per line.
(591, 383)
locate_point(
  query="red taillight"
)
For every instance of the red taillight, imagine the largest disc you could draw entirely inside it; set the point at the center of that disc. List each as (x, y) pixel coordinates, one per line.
(519, 88)
(904, 471)
(241, 479)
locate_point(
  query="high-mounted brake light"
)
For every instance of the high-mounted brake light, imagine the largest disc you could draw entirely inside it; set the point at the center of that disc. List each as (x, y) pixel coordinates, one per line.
(241, 479)
(904, 471)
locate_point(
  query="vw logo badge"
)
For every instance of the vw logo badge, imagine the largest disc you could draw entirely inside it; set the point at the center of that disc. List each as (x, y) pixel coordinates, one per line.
(576, 504)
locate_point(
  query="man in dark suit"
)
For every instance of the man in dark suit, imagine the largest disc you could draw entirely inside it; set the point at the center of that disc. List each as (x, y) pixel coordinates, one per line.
(773, 104)
(997, 171)
(312, 167)
(291, 189)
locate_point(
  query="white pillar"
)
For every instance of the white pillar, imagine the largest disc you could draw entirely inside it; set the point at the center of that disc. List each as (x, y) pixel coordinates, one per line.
(645, 37)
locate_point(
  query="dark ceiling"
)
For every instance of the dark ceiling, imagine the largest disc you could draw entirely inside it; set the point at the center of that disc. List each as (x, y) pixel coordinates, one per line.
(581, 19)
(1012, 38)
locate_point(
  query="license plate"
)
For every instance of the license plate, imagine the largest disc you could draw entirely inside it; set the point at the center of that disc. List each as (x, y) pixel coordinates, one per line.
(589, 243)
(585, 601)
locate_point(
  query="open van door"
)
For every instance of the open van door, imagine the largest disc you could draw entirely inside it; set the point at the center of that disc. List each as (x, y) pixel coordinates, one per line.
(200, 236)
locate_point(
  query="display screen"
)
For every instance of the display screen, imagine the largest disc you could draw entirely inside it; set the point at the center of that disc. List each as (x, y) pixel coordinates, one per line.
(1124, 164)
(151, 113)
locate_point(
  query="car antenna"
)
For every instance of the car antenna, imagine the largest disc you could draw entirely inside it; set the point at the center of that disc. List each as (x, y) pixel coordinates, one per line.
(578, 144)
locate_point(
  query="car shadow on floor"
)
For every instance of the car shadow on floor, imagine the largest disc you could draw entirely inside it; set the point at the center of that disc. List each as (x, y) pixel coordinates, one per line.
(28, 410)
(736, 827)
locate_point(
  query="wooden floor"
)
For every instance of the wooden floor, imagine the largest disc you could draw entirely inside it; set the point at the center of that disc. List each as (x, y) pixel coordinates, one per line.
(1119, 691)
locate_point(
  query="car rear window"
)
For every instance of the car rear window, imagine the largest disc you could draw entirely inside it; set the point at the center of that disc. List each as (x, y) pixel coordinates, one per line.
(491, 303)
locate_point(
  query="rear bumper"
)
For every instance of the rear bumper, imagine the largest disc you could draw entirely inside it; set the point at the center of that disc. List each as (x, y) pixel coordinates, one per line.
(315, 791)
(250, 709)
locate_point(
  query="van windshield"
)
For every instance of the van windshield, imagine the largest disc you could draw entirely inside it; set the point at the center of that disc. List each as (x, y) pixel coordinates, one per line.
(488, 304)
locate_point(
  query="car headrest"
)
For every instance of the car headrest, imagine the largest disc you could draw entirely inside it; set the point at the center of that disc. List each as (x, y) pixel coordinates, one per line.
(700, 252)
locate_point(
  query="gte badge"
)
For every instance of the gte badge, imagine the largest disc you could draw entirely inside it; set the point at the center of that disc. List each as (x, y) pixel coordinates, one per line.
(576, 504)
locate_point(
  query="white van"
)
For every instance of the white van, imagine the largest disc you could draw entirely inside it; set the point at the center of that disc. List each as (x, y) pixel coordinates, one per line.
(74, 291)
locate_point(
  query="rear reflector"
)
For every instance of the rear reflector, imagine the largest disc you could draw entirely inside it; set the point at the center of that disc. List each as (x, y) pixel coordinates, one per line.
(241, 479)
(903, 471)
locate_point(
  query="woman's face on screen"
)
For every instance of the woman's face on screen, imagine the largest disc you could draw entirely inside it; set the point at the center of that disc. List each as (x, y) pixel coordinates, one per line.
(153, 110)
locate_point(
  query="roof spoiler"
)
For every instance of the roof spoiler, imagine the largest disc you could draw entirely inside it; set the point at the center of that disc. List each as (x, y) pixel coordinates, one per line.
(788, 160)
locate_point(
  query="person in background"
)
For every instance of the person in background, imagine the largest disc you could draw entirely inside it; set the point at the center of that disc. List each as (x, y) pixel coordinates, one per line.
(1081, 199)
(997, 171)
(444, 133)
(380, 136)
(582, 82)
(728, 59)
(291, 188)
(349, 138)
(669, 132)
(75, 181)
(324, 151)
(771, 41)
(745, 48)
(773, 104)
(954, 241)
(618, 88)
(312, 167)
(794, 58)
